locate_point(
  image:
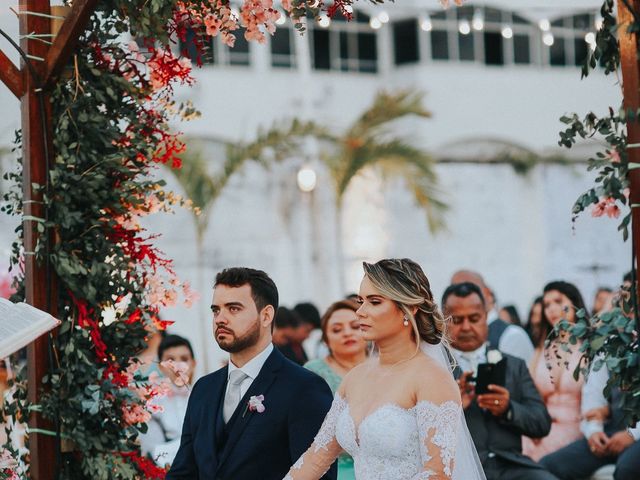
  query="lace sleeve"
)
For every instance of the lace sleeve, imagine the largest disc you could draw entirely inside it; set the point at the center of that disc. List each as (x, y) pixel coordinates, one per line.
(437, 428)
(324, 450)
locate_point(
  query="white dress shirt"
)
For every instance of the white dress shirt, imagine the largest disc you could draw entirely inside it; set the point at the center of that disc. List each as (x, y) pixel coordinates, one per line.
(468, 361)
(515, 341)
(593, 397)
(251, 369)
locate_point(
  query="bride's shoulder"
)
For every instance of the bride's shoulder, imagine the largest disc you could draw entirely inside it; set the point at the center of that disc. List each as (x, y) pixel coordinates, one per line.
(434, 383)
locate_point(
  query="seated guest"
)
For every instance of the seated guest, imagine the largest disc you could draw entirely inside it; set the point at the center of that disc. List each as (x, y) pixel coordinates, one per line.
(177, 363)
(313, 346)
(288, 335)
(605, 437)
(497, 419)
(602, 300)
(503, 336)
(534, 327)
(341, 332)
(509, 314)
(552, 370)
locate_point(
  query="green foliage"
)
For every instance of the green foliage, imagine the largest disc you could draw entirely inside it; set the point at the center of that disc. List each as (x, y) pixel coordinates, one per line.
(609, 339)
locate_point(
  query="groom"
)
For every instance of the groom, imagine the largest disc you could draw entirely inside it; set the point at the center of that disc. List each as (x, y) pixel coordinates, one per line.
(252, 419)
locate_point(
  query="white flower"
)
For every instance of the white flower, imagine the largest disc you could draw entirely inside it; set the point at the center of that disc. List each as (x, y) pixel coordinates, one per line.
(255, 403)
(494, 356)
(108, 315)
(123, 304)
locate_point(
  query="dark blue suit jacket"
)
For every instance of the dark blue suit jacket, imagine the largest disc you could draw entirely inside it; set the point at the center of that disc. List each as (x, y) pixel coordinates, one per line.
(253, 446)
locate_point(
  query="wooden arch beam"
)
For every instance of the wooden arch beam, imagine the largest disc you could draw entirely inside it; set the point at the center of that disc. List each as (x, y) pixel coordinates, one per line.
(11, 76)
(67, 38)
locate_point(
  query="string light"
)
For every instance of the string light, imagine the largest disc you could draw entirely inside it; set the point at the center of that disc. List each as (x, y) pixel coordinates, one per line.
(464, 28)
(324, 21)
(544, 25)
(383, 17)
(307, 179)
(478, 20)
(375, 23)
(425, 23)
(507, 32)
(548, 39)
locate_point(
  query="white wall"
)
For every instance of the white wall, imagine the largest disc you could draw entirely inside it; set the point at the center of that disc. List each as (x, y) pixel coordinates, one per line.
(516, 230)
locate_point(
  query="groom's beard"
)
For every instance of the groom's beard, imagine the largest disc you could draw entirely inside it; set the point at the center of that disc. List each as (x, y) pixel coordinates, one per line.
(237, 344)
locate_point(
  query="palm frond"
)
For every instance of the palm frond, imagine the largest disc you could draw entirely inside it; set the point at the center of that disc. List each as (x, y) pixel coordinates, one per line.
(397, 159)
(386, 108)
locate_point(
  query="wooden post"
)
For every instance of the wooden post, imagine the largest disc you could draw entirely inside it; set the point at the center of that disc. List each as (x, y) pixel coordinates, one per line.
(36, 147)
(631, 91)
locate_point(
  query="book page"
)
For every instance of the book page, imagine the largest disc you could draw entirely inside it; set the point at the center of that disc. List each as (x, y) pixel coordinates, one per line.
(21, 324)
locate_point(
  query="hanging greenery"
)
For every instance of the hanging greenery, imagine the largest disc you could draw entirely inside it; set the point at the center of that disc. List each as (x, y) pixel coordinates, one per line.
(111, 112)
(609, 339)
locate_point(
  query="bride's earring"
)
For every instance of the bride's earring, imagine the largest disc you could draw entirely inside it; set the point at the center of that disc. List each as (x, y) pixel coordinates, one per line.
(406, 321)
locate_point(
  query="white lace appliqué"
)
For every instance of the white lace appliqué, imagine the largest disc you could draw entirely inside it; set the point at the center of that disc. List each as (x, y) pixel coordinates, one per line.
(328, 430)
(438, 424)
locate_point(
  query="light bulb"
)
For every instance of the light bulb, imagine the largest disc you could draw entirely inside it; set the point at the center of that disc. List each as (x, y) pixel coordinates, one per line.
(307, 179)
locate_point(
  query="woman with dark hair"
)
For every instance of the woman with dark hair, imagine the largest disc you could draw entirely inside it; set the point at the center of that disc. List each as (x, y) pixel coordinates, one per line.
(509, 313)
(533, 327)
(347, 348)
(552, 370)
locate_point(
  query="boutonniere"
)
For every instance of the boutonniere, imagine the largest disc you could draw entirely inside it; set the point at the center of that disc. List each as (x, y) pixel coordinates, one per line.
(255, 404)
(494, 356)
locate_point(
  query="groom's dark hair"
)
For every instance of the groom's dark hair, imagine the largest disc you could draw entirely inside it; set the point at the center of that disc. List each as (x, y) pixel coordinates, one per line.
(263, 290)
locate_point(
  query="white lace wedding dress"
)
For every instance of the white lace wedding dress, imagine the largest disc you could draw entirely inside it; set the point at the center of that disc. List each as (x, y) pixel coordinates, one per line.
(425, 442)
(391, 443)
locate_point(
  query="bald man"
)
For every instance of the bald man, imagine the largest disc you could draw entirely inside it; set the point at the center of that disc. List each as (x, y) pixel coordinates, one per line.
(503, 336)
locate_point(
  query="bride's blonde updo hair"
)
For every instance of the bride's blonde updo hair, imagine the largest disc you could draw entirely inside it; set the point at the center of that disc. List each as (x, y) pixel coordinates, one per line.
(403, 281)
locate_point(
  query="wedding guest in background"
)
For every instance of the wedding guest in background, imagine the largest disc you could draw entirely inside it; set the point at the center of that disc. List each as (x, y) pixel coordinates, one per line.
(605, 438)
(287, 335)
(503, 336)
(602, 300)
(533, 327)
(497, 419)
(509, 314)
(177, 363)
(310, 317)
(552, 370)
(149, 356)
(341, 333)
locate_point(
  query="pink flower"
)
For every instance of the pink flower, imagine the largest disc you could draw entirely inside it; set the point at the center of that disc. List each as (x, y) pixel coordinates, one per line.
(134, 413)
(606, 206)
(614, 156)
(212, 24)
(255, 403)
(190, 296)
(180, 370)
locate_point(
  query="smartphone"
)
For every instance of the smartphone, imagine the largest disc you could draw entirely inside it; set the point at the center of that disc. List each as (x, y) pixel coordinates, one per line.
(490, 374)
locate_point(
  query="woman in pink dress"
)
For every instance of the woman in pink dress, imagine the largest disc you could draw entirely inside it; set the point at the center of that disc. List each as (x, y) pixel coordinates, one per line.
(552, 371)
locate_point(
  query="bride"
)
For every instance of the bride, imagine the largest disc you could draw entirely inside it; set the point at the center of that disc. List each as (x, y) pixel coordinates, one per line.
(399, 415)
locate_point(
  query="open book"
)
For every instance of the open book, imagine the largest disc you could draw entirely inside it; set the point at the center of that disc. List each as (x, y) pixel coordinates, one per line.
(21, 324)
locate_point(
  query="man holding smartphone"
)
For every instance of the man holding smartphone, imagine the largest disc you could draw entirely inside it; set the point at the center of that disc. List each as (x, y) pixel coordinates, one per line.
(498, 416)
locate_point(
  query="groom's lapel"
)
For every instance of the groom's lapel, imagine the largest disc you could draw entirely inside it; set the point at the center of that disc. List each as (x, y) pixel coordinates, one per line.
(216, 409)
(243, 415)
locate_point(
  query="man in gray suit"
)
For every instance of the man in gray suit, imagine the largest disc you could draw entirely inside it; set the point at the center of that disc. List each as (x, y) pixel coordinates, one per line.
(498, 418)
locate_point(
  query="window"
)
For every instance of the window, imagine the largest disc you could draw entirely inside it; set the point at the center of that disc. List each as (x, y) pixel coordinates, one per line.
(282, 50)
(345, 46)
(570, 46)
(198, 47)
(521, 49)
(493, 52)
(439, 45)
(213, 51)
(405, 42)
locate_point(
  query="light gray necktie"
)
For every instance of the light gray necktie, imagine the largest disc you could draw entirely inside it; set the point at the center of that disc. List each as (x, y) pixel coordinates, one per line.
(233, 396)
